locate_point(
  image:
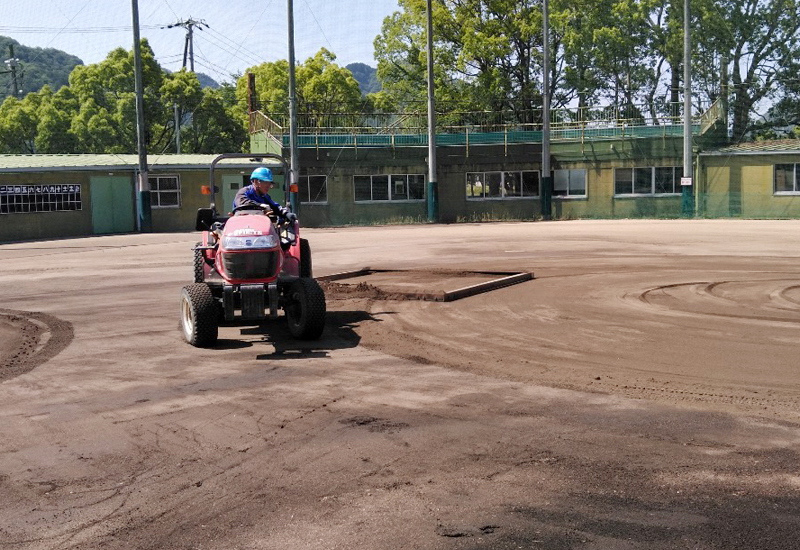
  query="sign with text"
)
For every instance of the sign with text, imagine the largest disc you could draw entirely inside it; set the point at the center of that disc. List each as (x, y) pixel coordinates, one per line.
(23, 199)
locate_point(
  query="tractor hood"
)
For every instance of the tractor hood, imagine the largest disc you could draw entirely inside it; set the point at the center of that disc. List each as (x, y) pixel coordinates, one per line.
(250, 249)
(249, 232)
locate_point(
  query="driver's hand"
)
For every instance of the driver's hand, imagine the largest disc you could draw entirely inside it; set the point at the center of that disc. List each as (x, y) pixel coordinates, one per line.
(291, 217)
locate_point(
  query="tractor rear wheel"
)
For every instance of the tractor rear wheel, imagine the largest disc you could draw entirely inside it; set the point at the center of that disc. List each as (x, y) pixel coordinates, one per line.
(305, 258)
(199, 315)
(305, 309)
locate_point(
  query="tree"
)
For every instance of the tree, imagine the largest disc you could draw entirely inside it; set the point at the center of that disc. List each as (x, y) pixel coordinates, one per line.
(54, 128)
(107, 103)
(213, 129)
(626, 46)
(18, 121)
(486, 54)
(321, 87)
(758, 42)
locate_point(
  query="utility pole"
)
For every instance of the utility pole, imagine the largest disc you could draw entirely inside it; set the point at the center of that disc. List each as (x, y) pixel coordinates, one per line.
(294, 165)
(188, 46)
(12, 65)
(433, 203)
(188, 50)
(144, 220)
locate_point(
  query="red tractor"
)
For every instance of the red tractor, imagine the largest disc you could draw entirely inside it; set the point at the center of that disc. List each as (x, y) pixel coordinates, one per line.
(248, 267)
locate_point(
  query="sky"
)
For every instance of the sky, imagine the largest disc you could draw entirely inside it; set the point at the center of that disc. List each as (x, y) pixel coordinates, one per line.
(231, 35)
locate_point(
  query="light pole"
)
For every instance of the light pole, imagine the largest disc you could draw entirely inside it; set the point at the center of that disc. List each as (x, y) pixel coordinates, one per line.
(433, 199)
(546, 186)
(687, 204)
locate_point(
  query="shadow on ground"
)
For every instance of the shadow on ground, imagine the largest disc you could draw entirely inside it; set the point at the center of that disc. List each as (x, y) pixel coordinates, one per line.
(339, 333)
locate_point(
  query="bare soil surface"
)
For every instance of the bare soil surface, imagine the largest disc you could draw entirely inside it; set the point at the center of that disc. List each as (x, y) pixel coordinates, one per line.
(641, 392)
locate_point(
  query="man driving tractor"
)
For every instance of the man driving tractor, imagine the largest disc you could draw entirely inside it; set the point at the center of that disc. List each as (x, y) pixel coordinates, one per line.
(258, 193)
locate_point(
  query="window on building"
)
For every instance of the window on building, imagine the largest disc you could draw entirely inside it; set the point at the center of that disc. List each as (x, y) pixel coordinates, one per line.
(399, 187)
(165, 191)
(642, 181)
(786, 178)
(23, 199)
(392, 187)
(569, 183)
(312, 189)
(658, 180)
(623, 181)
(502, 185)
(667, 180)
(530, 184)
(416, 187)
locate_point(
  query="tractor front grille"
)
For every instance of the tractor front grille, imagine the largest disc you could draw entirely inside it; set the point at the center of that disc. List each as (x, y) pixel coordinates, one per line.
(250, 265)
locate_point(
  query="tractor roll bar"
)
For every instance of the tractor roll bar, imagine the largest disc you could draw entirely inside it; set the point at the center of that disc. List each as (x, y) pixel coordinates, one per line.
(257, 157)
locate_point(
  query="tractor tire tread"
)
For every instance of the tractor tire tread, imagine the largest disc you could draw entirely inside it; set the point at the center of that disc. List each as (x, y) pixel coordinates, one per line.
(205, 314)
(305, 259)
(312, 321)
(199, 262)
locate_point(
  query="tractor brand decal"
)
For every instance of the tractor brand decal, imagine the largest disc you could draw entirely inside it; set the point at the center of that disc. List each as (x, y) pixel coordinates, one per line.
(21, 199)
(246, 232)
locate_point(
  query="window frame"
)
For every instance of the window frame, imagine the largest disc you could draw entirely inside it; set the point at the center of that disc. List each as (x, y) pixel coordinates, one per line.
(795, 179)
(156, 193)
(569, 196)
(304, 184)
(502, 194)
(633, 170)
(391, 180)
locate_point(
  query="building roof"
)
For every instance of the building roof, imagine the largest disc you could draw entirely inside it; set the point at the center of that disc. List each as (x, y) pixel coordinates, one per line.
(36, 163)
(769, 147)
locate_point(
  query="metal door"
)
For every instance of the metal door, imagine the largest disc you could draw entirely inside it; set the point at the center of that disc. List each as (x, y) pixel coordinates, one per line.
(112, 204)
(230, 185)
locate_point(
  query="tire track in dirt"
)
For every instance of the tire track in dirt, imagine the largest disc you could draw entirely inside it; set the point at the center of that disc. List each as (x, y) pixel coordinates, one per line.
(37, 338)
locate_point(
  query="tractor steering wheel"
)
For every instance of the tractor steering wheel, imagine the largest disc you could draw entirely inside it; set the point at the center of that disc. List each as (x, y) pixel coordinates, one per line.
(248, 206)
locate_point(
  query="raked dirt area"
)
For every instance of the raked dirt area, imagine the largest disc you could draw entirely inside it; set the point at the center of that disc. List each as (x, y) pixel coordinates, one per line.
(641, 391)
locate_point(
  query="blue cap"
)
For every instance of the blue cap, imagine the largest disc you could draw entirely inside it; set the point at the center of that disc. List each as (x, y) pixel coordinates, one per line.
(261, 173)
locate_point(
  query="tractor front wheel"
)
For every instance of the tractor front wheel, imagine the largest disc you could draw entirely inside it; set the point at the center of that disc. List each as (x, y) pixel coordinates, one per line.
(199, 315)
(305, 309)
(199, 262)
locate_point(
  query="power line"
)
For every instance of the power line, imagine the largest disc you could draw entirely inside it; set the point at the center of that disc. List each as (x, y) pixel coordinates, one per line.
(255, 23)
(230, 43)
(248, 58)
(318, 25)
(188, 48)
(72, 30)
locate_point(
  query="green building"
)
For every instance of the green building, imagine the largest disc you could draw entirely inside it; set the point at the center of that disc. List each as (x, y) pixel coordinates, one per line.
(375, 172)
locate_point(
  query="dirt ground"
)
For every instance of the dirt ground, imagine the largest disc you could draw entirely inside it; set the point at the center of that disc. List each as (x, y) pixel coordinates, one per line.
(642, 391)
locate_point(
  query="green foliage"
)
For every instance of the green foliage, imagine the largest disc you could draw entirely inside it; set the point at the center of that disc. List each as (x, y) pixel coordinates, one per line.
(759, 42)
(38, 67)
(488, 57)
(321, 87)
(96, 112)
(18, 121)
(623, 52)
(213, 129)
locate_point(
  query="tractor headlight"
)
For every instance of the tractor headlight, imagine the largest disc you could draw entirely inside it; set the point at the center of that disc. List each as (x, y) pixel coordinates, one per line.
(249, 242)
